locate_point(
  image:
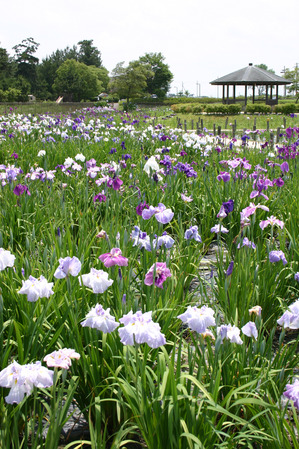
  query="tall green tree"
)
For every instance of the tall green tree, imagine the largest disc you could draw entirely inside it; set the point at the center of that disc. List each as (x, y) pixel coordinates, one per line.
(159, 84)
(76, 81)
(262, 89)
(88, 54)
(130, 82)
(26, 60)
(293, 75)
(7, 69)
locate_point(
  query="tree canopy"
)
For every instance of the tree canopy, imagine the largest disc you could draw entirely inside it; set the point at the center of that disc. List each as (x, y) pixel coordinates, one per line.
(293, 75)
(130, 82)
(159, 84)
(76, 81)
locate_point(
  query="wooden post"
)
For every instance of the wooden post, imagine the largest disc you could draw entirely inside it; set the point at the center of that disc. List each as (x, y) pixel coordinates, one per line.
(214, 129)
(284, 122)
(192, 124)
(226, 122)
(201, 123)
(277, 134)
(268, 125)
(197, 128)
(219, 131)
(185, 125)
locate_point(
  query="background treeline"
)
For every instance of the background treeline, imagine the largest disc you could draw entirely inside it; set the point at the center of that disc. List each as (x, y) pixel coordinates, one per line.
(73, 72)
(78, 74)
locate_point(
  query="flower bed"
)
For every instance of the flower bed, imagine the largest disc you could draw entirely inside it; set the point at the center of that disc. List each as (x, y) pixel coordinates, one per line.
(106, 225)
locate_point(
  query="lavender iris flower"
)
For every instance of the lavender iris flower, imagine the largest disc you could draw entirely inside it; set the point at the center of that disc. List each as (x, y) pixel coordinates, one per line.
(290, 318)
(292, 393)
(100, 319)
(68, 265)
(276, 256)
(198, 319)
(250, 330)
(192, 233)
(140, 328)
(162, 214)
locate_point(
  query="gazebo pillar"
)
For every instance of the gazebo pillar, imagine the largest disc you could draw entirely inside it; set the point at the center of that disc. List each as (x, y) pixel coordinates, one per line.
(266, 93)
(227, 94)
(253, 93)
(277, 92)
(234, 90)
(245, 94)
(271, 92)
(223, 93)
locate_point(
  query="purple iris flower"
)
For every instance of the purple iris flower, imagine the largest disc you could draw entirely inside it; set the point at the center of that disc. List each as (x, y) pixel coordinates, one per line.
(115, 257)
(141, 207)
(228, 206)
(115, 183)
(100, 197)
(296, 277)
(223, 176)
(230, 269)
(289, 132)
(279, 182)
(113, 150)
(161, 273)
(20, 189)
(284, 167)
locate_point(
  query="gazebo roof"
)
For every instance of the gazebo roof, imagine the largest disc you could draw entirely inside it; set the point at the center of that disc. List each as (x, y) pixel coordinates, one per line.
(251, 75)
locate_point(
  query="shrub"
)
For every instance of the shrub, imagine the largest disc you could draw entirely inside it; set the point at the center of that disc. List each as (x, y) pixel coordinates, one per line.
(234, 109)
(260, 108)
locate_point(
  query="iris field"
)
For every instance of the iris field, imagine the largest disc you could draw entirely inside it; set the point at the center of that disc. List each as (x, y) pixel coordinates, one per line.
(111, 302)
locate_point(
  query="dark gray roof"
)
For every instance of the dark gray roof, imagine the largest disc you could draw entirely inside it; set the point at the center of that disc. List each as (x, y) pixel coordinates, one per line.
(251, 75)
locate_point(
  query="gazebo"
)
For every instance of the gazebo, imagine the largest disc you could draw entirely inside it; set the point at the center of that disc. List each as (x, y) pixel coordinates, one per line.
(251, 76)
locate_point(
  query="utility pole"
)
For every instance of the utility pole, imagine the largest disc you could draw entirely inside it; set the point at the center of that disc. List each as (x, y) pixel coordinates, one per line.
(197, 89)
(285, 86)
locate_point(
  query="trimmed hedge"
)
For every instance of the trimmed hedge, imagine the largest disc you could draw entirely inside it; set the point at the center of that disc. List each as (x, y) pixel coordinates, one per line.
(260, 108)
(286, 108)
(214, 109)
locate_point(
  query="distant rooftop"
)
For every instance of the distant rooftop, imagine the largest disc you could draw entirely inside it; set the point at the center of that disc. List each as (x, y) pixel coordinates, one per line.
(251, 75)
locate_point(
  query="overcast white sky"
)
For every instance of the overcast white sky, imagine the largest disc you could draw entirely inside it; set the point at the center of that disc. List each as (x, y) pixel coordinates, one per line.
(200, 40)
